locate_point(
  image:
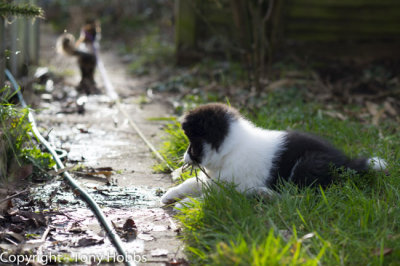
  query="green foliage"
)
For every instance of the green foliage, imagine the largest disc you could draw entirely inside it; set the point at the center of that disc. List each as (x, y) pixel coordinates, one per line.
(204, 74)
(25, 10)
(40, 160)
(14, 128)
(217, 76)
(173, 147)
(151, 50)
(17, 146)
(352, 222)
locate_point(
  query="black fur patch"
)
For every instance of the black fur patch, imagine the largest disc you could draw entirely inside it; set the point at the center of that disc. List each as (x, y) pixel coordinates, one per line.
(208, 123)
(308, 160)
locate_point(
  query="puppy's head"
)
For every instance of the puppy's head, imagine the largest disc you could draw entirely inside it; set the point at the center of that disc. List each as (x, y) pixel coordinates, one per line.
(206, 128)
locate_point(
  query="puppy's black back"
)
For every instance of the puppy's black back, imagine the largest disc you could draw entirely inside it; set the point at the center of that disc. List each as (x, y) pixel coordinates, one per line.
(308, 160)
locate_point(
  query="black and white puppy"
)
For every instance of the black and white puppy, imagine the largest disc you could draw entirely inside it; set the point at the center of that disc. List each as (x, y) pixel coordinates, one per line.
(231, 148)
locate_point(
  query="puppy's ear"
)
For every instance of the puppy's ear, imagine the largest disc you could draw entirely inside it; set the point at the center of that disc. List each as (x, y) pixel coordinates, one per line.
(189, 128)
(214, 131)
(209, 123)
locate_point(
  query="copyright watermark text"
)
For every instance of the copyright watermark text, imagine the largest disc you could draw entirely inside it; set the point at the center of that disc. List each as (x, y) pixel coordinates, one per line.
(82, 258)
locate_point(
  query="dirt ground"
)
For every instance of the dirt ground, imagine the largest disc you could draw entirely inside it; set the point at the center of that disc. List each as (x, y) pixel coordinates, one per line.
(107, 150)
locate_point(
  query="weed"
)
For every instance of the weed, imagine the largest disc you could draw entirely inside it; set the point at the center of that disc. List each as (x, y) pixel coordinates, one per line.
(17, 146)
(173, 147)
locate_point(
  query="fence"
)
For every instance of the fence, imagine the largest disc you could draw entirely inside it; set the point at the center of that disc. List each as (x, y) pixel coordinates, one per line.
(350, 27)
(19, 44)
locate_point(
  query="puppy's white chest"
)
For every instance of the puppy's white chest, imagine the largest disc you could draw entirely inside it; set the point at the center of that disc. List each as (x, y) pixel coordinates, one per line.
(248, 157)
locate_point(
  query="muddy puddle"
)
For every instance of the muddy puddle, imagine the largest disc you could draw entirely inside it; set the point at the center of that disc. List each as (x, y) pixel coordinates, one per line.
(58, 193)
(63, 229)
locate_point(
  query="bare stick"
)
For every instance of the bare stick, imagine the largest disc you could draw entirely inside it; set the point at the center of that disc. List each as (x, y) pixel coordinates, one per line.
(12, 196)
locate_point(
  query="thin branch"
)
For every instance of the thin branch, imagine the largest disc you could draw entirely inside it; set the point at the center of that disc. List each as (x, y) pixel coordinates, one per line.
(12, 196)
(269, 11)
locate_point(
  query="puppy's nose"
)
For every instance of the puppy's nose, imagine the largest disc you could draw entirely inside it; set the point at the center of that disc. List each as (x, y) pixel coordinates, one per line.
(187, 159)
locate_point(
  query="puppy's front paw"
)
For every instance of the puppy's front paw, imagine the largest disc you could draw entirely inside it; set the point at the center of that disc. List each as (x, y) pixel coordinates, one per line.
(186, 202)
(263, 193)
(170, 196)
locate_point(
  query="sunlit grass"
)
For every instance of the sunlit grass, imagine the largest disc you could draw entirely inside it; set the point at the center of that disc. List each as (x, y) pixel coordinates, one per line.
(173, 147)
(228, 228)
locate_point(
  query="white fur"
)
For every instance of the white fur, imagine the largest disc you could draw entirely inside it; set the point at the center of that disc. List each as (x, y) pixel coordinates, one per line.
(245, 158)
(377, 163)
(191, 187)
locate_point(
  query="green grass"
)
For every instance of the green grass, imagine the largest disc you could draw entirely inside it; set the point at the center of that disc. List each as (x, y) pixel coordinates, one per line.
(173, 147)
(352, 222)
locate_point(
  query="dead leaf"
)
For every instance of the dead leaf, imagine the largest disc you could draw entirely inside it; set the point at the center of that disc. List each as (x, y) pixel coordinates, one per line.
(28, 218)
(385, 251)
(96, 172)
(25, 171)
(76, 227)
(279, 84)
(159, 252)
(16, 228)
(83, 130)
(390, 109)
(335, 114)
(145, 236)
(104, 169)
(19, 219)
(286, 234)
(107, 174)
(372, 108)
(89, 241)
(129, 229)
(375, 112)
(62, 201)
(178, 231)
(60, 171)
(174, 261)
(129, 225)
(377, 117)
(3, 206)
(308, 236)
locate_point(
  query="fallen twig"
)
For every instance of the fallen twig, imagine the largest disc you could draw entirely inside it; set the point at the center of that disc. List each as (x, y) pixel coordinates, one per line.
(13, 196)
(12, 242)
(60, 171)
(46, 233)
(203, 170)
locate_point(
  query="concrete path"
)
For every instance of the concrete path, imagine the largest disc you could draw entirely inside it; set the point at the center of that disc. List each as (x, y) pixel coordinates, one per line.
(103, 138)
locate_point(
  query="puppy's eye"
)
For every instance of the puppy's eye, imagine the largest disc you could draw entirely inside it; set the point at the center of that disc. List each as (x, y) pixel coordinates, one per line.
(195, 152)
(192, 150)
